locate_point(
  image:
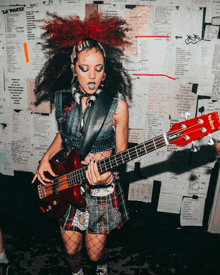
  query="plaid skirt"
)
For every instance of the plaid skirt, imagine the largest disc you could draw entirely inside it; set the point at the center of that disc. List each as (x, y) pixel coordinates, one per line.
(100, 214)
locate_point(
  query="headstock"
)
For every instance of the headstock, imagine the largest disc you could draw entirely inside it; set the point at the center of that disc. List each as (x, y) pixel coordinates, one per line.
(187, 131)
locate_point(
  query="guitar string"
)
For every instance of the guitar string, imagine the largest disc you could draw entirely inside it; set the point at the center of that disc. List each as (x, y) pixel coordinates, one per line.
(133, 148)
(65, 181)
(144, 145)
(79, 171)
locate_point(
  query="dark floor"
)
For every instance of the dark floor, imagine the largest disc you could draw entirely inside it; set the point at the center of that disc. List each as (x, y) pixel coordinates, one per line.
(133, 250)
(150, 243)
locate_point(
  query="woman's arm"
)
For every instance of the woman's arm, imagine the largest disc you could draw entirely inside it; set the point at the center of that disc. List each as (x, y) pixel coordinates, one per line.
(121, 119)
(44, 165)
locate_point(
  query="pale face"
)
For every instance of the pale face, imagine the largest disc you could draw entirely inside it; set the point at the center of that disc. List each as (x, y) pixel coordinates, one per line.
(217, 148)
(89, 69)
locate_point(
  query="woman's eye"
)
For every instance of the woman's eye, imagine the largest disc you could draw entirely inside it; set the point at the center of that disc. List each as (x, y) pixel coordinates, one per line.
(83, 69)
(99, 70)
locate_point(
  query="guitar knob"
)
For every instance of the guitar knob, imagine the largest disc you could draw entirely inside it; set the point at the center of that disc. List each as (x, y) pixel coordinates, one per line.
(211, 140)
(200, 121)
(203, 130)
(186, 137)
(185, 115)
(194, 148)
(183, 126)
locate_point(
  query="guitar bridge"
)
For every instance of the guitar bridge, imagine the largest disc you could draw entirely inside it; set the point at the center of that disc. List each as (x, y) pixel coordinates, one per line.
(41, 191)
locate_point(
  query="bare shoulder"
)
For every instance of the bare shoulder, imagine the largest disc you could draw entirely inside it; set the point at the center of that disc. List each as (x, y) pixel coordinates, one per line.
(122, 111)
(122, 107)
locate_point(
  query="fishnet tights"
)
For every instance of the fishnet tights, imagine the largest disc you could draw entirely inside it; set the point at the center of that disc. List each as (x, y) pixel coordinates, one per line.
(95, 246)
(94, 243)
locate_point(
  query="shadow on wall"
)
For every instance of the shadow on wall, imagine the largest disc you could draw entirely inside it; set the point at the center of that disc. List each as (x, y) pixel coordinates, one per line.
(180, 162)
(19, 200)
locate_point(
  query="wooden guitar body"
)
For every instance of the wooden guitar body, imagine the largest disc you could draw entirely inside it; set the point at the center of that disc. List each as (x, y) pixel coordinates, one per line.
(57, 195)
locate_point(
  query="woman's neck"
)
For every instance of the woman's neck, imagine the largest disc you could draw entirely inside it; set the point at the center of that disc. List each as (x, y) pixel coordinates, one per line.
(84, 102)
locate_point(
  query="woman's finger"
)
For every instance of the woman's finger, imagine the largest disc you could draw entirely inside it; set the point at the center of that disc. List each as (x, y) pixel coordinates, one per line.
(34, 178)
(92, 173)
(51, 172)
(44, 183)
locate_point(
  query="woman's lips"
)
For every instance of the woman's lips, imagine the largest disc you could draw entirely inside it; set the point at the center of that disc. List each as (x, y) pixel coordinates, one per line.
(91, 85)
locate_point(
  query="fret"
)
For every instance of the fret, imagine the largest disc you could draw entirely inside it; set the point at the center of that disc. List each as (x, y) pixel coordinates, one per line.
(84, 173)
(105, 165)
(110, 163)
(136, 152)
(116, 160)
(77, 175)
(69, 179)
(112, 160)
(140, 150)
(160, 141)
(122, 157)
(126, 155)
(145, 148)
(80, 176)
(100, 166)
(154, 144)
(129, 155)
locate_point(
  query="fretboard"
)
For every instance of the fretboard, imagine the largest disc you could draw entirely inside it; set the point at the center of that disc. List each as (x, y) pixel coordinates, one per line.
(110, 163)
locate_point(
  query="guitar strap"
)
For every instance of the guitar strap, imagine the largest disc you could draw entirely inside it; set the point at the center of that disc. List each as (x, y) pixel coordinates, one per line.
(95, 121)
(96, 117)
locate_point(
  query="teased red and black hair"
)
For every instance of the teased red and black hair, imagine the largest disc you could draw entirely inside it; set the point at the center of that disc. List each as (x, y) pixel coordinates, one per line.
(70, 31)
(62, 34)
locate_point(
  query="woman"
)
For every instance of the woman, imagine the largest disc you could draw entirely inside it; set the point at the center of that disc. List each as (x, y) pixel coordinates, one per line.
(90, 49)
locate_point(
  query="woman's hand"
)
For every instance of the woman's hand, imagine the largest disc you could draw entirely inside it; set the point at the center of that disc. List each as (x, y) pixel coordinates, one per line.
(44, 166)
(93, 176)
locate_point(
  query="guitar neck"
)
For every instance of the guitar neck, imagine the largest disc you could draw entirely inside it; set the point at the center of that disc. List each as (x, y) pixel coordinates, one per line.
(114, 161)
(141, 149)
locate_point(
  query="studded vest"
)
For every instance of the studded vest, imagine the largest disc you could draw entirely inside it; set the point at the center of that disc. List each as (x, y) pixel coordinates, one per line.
(70, 121)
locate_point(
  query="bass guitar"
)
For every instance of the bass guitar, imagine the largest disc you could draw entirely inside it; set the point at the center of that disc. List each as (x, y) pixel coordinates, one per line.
(66, 188)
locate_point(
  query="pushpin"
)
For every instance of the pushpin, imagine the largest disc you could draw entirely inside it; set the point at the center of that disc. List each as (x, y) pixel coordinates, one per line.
(185, 115)
(194, 147)
(211, 140)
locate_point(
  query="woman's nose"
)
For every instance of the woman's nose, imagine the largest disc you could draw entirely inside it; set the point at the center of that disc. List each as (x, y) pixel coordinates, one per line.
(92, 74)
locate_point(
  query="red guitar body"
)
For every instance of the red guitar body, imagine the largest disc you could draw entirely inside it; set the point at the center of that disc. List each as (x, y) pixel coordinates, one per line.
(67, 186)
(55, 204)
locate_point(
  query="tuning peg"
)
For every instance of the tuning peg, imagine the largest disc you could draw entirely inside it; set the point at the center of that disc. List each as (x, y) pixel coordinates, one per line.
(211, 140)
(185, 115)
(194, 147)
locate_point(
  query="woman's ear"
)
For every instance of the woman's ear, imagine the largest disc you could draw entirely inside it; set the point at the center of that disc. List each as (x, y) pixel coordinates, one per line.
(73, 68)
(104, 77)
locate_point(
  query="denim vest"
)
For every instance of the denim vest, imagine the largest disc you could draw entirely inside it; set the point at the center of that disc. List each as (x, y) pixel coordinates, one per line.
(70, 121)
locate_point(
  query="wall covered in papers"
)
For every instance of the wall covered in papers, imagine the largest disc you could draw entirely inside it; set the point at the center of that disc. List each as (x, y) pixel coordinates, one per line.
(174, 62)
